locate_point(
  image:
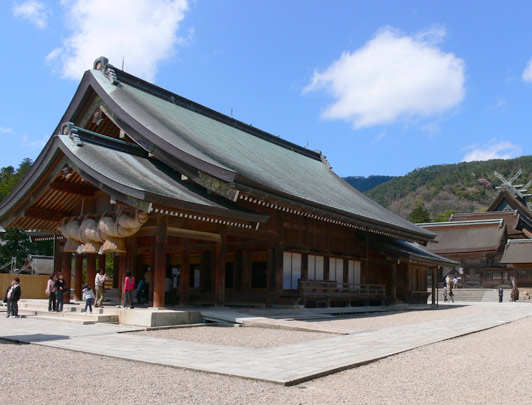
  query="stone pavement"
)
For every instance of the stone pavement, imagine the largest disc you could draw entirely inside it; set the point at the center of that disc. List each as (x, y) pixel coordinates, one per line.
(289, 364)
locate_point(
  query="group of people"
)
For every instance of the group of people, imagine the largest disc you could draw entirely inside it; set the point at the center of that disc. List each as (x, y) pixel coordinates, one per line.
(56, 288)
(11, 298)
(448, 286)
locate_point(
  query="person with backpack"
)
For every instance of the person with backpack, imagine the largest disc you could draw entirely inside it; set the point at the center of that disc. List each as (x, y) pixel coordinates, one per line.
(129, 286)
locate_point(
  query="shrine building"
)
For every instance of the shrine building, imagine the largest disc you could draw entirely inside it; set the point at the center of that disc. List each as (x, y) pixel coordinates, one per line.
(232, 214)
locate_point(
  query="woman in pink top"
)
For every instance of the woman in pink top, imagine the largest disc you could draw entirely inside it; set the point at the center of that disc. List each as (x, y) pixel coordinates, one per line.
(129, 286)
(50, 291)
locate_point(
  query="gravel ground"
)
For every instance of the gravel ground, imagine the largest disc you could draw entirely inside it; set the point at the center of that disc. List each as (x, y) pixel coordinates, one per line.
(492, 367)
(256, 338)
(386, 319)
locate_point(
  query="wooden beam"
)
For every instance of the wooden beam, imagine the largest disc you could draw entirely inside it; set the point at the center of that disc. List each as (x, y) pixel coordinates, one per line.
(71, 188)
(47, 215)
(182, 233)
(159, 272)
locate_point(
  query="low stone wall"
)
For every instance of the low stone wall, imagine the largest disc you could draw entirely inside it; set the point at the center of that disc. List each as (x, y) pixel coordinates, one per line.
(32, 286)
(155, 317)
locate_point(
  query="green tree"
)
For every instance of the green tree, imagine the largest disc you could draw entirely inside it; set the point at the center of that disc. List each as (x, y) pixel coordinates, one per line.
(444, 216)
(419, 214)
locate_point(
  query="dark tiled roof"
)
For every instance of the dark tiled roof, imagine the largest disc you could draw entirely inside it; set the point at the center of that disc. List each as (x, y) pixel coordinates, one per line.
(234, 152)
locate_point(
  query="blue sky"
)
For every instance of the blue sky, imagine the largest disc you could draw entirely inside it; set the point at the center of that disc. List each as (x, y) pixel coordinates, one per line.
(381, 87)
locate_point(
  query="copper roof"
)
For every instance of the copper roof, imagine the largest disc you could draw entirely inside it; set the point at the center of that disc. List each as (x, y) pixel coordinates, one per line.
(486, 235)
(518, 251)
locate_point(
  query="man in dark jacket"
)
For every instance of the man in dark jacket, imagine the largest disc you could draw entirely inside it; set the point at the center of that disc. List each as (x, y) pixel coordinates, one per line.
(12, 297)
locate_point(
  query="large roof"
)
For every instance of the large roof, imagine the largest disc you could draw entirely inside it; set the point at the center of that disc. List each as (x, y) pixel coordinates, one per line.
(124, 171)
(511, 219)
(191, 137)
(467, 236)
(518, 251)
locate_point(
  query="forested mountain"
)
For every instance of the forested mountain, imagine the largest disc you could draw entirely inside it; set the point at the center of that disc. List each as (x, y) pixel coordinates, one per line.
(441, 189)
(362, 183)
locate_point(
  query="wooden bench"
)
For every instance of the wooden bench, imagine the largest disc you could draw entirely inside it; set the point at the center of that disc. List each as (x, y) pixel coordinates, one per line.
(327, 290)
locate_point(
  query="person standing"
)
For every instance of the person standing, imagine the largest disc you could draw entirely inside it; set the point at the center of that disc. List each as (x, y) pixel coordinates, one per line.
(61, 289)
(129, 286)
(444, 293)
(13, 296)
(99, 283)
(88, 297)
(455, 282)
(7, 298)
(501, 292)
(50, 291)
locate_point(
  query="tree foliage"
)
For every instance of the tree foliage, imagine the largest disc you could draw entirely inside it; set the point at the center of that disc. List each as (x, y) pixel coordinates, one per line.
(419, 214)
(362, 183)
(14, 242)
(463, 184)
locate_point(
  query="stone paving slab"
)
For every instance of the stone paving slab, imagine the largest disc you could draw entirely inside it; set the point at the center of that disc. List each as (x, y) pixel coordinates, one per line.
(289, 364)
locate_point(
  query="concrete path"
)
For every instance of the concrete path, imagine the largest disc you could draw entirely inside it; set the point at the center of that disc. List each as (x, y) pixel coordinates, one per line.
(289, 364)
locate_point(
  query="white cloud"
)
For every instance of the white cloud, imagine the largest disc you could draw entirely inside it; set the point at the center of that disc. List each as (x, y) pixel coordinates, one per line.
(392, 76)
(33, 143)
(143, 32)
(32, 11)
(492, 150)
(4, 130)
(527, 73)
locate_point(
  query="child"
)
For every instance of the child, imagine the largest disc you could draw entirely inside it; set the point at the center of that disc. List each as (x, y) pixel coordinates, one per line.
(88, 296)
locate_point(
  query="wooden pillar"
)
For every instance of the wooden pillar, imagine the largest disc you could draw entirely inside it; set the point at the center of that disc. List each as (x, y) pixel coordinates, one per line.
(58, 258)
(345, 270)
(122, 265)
(326, 262)
(91, 269)
(79, 276)
(394, 281)
(159, 272)
(279, 256)
(245, 271)
(219, 283)
(433, 285)
(184, 286)
(67, 273)
(101, 262)
(116, 269)
(304, 265)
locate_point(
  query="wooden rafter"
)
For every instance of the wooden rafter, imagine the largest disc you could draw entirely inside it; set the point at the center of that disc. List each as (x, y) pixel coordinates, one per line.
(45, 215)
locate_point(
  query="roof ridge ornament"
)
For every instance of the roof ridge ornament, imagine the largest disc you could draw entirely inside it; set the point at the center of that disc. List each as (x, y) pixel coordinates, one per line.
(519, 190)
(323, 159)
(68, 128)
(102, 64)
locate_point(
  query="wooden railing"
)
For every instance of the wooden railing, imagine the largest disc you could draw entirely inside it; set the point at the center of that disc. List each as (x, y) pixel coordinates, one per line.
(325, 291)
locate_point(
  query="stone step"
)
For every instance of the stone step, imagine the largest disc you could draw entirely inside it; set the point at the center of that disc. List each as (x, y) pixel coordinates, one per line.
(72, 316)
(66, 320)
